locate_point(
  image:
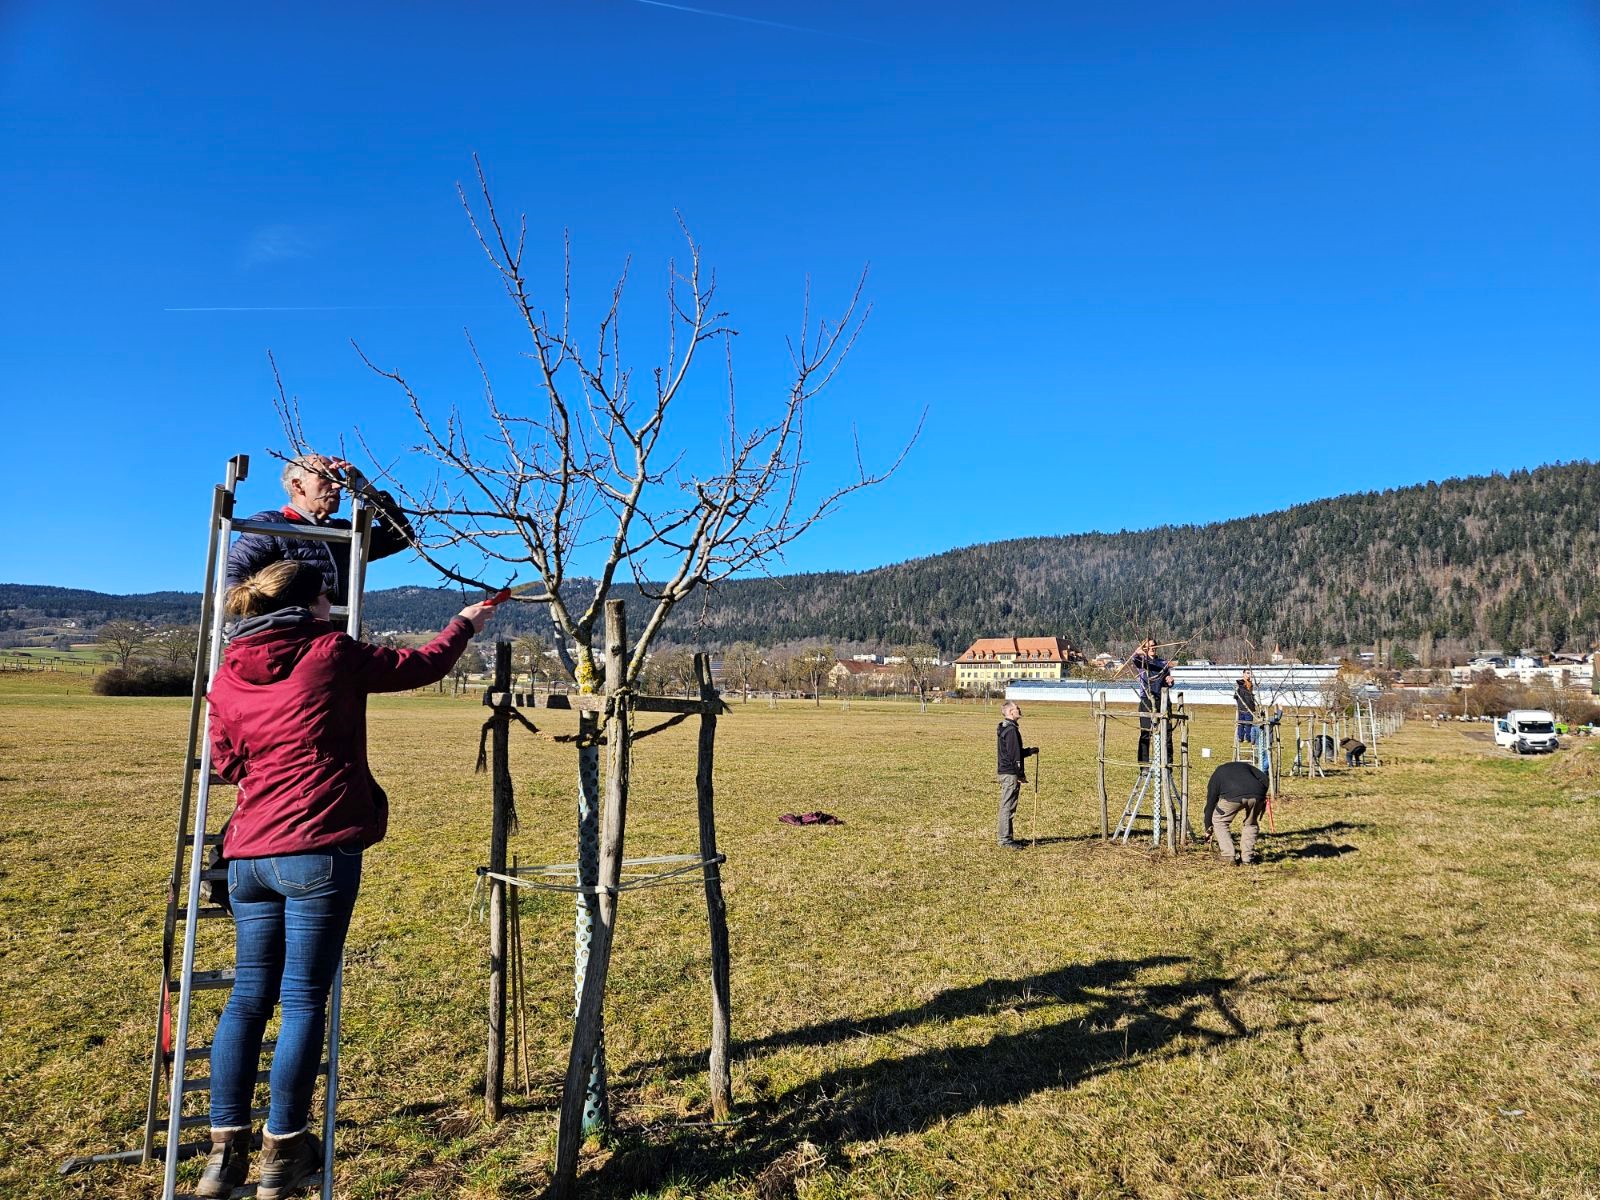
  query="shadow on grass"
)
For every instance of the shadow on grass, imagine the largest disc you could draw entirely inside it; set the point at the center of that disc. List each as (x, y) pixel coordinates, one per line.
(1314, 850)
(1322, 831)
(1064, 838)
(1108, 1020)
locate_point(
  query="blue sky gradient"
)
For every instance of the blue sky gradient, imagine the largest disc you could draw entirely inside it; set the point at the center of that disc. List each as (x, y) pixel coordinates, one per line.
(1167, 263)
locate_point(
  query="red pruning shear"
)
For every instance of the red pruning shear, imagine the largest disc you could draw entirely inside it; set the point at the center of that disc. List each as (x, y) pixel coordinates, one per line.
(504, 594)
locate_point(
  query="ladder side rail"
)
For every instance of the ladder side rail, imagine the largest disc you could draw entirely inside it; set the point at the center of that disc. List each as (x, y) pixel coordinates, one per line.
(221, 501)
(191, 918)
(360, 542)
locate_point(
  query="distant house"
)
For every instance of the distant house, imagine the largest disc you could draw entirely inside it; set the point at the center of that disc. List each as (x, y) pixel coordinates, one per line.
(994, 662)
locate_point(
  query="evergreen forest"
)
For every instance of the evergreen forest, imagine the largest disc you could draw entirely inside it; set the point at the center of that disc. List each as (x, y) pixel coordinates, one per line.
(1499, 561)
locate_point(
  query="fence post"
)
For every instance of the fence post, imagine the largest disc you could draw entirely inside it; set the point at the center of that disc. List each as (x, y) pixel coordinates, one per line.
(716, 909)
(500, 729)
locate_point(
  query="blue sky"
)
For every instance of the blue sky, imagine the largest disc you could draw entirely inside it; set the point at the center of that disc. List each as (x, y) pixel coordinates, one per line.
(1140, 264)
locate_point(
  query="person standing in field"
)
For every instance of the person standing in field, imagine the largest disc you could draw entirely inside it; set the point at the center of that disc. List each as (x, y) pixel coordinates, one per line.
(1155, 676)
(1236, 788)
(1010, 754)
(1244, 703)
(314, 485)
(288, 725)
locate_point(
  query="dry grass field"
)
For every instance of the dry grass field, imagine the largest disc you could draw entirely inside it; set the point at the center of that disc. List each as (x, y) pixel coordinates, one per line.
(1403, 1000)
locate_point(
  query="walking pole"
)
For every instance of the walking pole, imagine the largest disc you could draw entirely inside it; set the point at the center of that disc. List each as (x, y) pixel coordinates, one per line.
(1033, 831)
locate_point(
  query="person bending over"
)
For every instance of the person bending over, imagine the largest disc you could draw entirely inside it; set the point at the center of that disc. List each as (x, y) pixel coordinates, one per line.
(1010, 754)
(313, 484)
(288, 726)
(1353, 750)
(1235, 788)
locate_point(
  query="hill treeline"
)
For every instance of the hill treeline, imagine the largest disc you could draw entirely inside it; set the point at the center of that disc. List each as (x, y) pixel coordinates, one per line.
(1508, 560)
(1502, 560)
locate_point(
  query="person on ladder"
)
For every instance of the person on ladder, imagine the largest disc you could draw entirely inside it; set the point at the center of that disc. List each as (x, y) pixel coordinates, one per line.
(288, 726)
(1155, 676)
(314, 486)
(1245, 705)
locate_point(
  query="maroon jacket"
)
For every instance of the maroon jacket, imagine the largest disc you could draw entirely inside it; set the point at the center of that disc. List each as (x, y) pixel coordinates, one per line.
(289, 726)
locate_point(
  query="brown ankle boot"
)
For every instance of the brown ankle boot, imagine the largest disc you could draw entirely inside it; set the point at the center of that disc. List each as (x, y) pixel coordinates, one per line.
(228, 1164)
(286, 1164)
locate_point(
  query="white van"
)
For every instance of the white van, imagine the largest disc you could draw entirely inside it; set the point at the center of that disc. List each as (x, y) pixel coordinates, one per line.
(1526, 731)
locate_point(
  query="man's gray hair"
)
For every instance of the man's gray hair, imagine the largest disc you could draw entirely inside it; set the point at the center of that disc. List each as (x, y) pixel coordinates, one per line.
(300, 467)
(1010, 706)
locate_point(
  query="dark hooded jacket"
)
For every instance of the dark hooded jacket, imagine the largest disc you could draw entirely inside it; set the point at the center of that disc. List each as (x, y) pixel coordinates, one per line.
(251, 552)
(1244, 702)
(289, 726)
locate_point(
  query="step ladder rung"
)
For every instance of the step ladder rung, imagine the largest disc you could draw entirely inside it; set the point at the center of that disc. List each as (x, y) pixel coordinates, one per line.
(212, 839)
(312, 1184)
(207, 981)
(205, 913)
(199, 1120)
(203, 1053)
(294, 531)
(214, 875)
(203, 1082)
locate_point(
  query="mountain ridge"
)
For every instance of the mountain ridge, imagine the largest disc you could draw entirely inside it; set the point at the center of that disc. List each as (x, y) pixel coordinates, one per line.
(1505, 558)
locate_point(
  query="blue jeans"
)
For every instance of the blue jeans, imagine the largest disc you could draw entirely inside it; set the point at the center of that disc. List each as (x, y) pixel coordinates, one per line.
(290, 916)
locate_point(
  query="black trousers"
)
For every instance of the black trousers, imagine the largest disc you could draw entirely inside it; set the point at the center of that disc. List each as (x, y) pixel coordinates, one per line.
(1146, 724)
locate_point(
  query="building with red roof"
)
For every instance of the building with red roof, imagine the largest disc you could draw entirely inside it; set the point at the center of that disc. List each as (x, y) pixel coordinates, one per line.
(994, 662)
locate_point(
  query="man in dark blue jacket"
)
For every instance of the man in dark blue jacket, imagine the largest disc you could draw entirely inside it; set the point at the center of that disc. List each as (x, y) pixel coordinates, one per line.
(314, 486)
(1245, 705)
(1010, 754)
(1155, 676)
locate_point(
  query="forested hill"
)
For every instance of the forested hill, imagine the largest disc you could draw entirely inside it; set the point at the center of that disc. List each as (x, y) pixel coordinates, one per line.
(1504, 559)
(1508, 560)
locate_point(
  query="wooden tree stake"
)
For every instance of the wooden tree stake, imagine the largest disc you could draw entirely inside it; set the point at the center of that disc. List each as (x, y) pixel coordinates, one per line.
(500, 759)
(716, 910)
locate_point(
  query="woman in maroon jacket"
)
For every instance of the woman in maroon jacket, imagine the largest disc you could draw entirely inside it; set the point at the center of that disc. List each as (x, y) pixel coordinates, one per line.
(288, 725)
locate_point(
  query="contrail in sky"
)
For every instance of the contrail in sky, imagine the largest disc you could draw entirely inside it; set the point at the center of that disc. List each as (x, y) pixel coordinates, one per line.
(706, 12)
(293, 308)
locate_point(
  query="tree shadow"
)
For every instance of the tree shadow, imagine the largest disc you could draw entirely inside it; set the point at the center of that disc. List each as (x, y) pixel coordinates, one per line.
(1323, 830)
(1313, 850)
(1065, 837)
(1109, 1020)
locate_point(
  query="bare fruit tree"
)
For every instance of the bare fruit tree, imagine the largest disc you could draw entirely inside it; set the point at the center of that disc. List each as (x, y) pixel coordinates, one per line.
(580, 464)
(123, 639)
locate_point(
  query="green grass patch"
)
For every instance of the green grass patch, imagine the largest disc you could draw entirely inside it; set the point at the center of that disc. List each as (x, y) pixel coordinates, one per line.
(1400, 1001)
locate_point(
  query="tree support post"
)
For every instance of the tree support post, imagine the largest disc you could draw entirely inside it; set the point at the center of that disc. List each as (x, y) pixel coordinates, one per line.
(1164, 770)
(613, 822)
(1100, 762)
(500, 759)
(716, 909)
(1183, 767)
(596, 1107)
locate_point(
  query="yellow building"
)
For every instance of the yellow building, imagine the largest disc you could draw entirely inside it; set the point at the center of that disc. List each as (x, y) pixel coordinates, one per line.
(991, 663)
